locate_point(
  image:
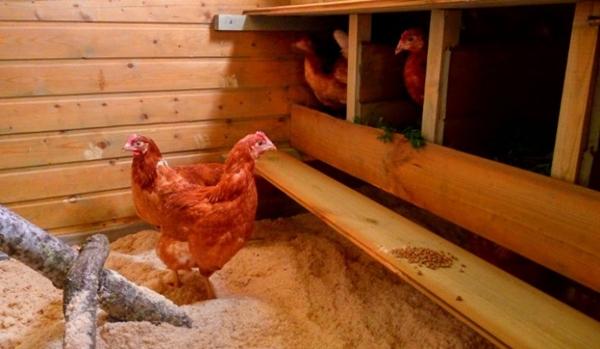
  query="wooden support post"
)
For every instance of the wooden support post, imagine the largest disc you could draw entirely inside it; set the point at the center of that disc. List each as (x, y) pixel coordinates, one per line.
(444, 32)
(359, 30)
(592, 147)
(577, 92)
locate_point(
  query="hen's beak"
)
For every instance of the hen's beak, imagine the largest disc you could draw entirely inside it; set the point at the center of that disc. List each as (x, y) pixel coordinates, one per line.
(128, 147)
(269, 145)
(399, 49)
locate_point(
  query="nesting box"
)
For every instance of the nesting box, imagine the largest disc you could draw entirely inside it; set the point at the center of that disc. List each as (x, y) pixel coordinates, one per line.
(510, 125)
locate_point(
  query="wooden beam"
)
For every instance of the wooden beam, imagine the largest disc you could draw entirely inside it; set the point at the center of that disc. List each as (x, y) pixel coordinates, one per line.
(502, 308)
(577, 93)
(47, 40)
(40, 114)
(444, 32)
(547, 220)
(591, 151)
(359, 30)
(147, 11)
(43, 78)
(56, 148)
(229, 22)
(371, 6)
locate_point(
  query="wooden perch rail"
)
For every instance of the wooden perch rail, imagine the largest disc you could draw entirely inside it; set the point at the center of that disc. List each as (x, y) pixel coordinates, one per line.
(51, 257)
(547, 220)
(80, 294)
(502, 308)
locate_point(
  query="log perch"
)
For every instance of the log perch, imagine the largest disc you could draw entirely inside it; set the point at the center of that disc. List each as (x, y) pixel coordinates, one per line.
(121, 299)
(80, 295)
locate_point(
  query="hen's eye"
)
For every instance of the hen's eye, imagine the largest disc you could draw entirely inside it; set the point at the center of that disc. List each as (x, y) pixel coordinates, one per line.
(261, 142)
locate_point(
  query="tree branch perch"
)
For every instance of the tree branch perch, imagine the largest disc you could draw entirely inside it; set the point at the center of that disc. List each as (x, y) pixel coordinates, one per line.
(80, 295)
(121, 299)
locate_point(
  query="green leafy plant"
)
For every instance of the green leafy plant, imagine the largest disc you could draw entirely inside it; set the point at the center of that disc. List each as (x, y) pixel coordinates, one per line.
(413, 134)
(388, 134)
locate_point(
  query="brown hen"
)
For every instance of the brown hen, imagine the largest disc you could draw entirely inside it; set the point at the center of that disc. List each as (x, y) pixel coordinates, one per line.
(328, 85)
(143, 175)
(413, 41)
(204, 226)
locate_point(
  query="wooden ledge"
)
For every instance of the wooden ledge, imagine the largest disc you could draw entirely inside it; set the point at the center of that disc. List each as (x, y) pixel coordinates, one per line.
(370, 6)
(502, 308)
(547, 220)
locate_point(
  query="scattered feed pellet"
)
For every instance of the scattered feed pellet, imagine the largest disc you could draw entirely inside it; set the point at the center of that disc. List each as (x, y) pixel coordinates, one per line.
(425, 257)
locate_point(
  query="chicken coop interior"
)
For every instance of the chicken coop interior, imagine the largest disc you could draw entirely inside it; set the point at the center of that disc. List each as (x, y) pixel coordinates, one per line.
(300, 173)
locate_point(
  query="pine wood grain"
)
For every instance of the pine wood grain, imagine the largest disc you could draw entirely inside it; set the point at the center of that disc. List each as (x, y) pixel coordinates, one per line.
(37, 114)
(48, 40)
(444, 30)
(74, 210)
(504, 309)
(77, 178)
(165, 11)
(359, 30)
(577, 93)
(43, 78)
(55, 148)
(371, 6)
(547, 220)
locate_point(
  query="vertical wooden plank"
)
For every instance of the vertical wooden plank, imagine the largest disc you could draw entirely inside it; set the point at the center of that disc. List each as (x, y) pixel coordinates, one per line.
(591, 151)
(577, 92)
(444, 32)
(359, 30)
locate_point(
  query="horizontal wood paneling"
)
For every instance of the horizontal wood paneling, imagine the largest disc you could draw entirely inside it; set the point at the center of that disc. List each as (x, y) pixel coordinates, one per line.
(547, 220)
(77, 77)
(36, 114)
(113, 228)
(171, 11)
(56, 148)
(63, 180)
(41, 78)
(89, 208)
(110, 40)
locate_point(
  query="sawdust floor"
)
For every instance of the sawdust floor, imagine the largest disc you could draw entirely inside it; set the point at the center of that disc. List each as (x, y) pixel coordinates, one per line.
(295, 285)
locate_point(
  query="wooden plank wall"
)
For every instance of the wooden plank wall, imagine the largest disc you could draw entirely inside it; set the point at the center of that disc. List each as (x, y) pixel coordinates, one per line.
(77, 77)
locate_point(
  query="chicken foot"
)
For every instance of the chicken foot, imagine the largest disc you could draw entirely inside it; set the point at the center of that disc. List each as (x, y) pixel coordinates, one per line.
(51, 257)
(80, 301)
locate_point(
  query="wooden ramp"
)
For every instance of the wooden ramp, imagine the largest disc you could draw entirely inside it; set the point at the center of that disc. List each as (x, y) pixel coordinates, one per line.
(502, 308)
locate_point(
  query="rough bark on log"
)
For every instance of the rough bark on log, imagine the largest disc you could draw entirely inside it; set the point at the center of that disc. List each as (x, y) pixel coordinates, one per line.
(121, 299)
(80, 295)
